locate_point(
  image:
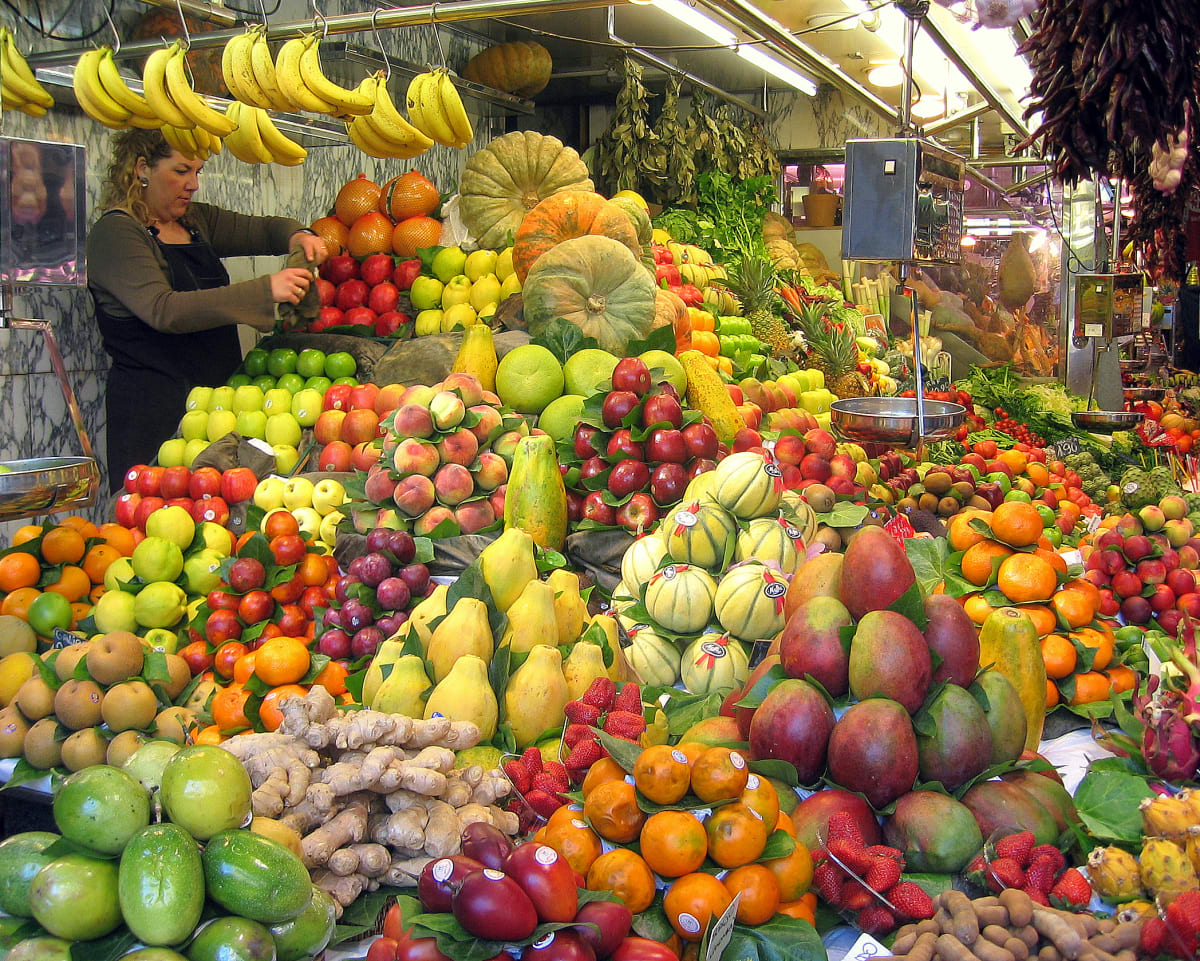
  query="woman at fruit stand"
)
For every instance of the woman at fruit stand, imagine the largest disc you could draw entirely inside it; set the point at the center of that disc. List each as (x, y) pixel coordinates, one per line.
(164, 304)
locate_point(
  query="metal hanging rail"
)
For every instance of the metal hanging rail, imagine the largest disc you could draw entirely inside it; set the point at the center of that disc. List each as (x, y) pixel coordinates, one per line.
(200, 9)
(957, 119)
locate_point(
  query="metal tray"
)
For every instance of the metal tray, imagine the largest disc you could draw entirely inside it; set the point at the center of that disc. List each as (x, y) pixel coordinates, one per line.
(1144, 393)
(1106, 421)
(893, 420)
(44, 485)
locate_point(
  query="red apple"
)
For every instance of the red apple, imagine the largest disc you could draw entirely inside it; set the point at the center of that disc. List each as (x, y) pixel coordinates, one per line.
(820, 442)
(631, 374)
(337, 397)
(335, 456)
(237, 485)
(126, 508)
(618, 405)
(213, 509)
(666, 445)
(700, 465)
(662, 409)
(363, 396)
(637, 512)
(701, 440)
(389, 322)
(328, 427)
(146, 507)
(744, 439)
(668, 482)
(149, 482)
(351, 294)
(405, 273)
(622, 444)
(815, 467)
(591, 467)
(175, 482)
(588, 441)
(360, 426)
(628, 476)
(388, 399)
(221, 626)
(131, 477)
(594, 509)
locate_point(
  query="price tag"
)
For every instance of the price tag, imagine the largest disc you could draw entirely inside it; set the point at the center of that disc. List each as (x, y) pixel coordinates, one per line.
(900, 528)
(938, 384)
(1066, 447)
(720, 932)
(63, 639)
(866, 948)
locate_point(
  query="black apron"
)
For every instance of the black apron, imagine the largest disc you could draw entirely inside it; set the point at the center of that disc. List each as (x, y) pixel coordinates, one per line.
(153, 371)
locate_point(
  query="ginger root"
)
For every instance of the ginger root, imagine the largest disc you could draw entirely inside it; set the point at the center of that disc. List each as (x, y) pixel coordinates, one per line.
(347, 827)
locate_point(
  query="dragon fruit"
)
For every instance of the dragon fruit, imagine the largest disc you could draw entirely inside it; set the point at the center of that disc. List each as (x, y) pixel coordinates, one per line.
(1167, 743)
(1166, 817)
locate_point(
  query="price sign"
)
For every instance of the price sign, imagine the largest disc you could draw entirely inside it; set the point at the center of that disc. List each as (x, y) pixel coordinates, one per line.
(1066, 447)
(720, 932)
(937, 383)
(61, 639)
(866, 948)
(900, 528)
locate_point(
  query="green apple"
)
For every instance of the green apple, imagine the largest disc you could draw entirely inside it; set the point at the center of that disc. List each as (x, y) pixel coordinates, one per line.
(193, 424)
(198, 398)
(504, 264)
(252, 423)
(510, 286)
(291, 383)
(426, 293)
(283, 428)
(306, 406)
(458, 317)
(329, 523)
(297, 492)
(277, 401)
(222, 399)
(264, 383)
(171, 452)
(448, 262)
(320, 383)
(269, 493)
(427, 322)
(282, 360)
(328, 495)
(311, 362)
(286, 457)
(309, 521)
(216, 538)
(240, 379)
(202, 571)
(220, 423)
(481, 263)
(195, 446)
(160, 639)
(484, 291)
(248, 397)
(457, 291)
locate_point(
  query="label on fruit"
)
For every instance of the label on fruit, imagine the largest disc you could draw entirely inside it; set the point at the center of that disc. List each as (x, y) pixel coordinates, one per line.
(545, 855)
(685, 518)
(900, 528)
(668, 572)
(543, 942)
(752, 782)
(774, 589)
(1130, 487)
(679, 757)
(493, 875)
(713, 649)
(737, 760)
(61, 639)
(442, 869)
(789, 529)
(866, 947)
(578, 824)
(773, 471)
(689, 922)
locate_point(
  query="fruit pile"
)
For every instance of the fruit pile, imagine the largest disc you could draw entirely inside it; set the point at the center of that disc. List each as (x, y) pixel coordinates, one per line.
(1016, 860)
(315, 506)
(392, 219)
(539, 786)
(618, 713)
(205, 494)
(455, 290)
(1163, 869)
(364, 294)
(798, 400)
(816, 460)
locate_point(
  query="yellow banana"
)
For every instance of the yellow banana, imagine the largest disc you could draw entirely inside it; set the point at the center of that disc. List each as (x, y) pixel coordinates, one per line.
(392, 124)
(91, 96)
(187, 100)
(263, 69)
(345, 101)
(114, 85)
(247, 123)
(425, 110)
(236, 141)
(8, 99)
(361, 136)
(452, 107)
(181, 139)
(32, 109)
(284, 150)
(144, 123)
(154, 89)
(291, 83)
(18, 77)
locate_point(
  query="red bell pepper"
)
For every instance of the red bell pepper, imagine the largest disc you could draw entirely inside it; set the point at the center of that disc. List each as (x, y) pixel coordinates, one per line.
(690, 294)
(668, 272)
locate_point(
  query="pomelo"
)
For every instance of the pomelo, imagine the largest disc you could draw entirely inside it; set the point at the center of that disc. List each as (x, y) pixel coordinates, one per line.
(528, 378)
(671, 368)
(561, 416)
(588, 371)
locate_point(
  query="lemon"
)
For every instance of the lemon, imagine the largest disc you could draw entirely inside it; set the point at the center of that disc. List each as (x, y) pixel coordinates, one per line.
(114, 612)
(157, 559)
(161, 604)
(173, 523)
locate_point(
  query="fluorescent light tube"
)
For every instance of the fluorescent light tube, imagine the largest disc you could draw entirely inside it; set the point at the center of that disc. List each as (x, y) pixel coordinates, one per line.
(701, 23)
(776, 69)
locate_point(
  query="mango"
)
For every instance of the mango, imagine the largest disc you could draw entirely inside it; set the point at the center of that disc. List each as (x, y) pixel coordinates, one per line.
(873, 750)
(889, 657)
(875, 572)
(1002, 707)
(960, 743)
(811, 643)
(812, 815)
(1001, 805)
(1052, 795)
(936, 833)
(952, 635)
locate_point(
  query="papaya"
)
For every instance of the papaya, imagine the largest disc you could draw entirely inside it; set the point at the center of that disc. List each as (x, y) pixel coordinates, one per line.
(1008, 641)
(536, 500)
(160, 885)
(258, 878)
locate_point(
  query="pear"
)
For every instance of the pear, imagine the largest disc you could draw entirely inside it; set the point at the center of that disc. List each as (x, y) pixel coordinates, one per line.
(466, 695)
(583, 665)
(536, 695)
(430, 609)
(569, 610)
(465, 630)
(507, 565)
(403, 690)
(389, 652)
(531, 619)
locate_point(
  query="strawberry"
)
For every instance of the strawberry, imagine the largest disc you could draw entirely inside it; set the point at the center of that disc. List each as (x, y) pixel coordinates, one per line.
(518, 773)
(1071, 889)
(977, 870)
(1037, 896)
(583, 755)
(1042, 872)
(1050, 851)
(1016, 846)
(543, 803)
(556, 770)
(827, 880)
(551, 785)
(1153, 936)
(1183, 920)
(601, 693)
(581, 712)
(576, 733)
(853, 856)
(911, 901)
(532, 759)
(884, 851)
(854, 896)
(883, 873)
(819, 856)
(625, 725)
(1005, 873)
(875, 919)
(842, 825)
(629, 699)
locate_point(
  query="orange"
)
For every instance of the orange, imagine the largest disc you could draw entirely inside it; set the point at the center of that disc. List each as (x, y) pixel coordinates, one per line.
(961, 534)
(207, 735)
(1052, 557)
(719, 773)
(282, 660)
(801, 909)
(627, 876)
(1052, 696)
(1017, 523)
(662, 774)
(693, 749)
(1060, 656)
(332, 678)
(736, 835)
(27, 533)
(1074, 607)
(79, 610)
(95, 592)
(18, 601)
(1015, 460)
(977, 607)
(414, 233)
(606, 769)
(1037, 473)
(81, 524)
(119, 537)
(269, 711)
(1121, 678)
(979, 559)
(369, 234)
(97, 559)
(1086, 587)
(613, 812)
(62, 545)
(1045, 621)
(18, 570)
(577, 843)
(694, 900)
(229, 709)
(409, 195)
(1090, 687)
(785, 824)
(673, 843)
(72, 583)
(243, 667)
(793, 872)
(1026, 577)
(761, 796)
(1101, 642)
(564, 815)
(759, 890)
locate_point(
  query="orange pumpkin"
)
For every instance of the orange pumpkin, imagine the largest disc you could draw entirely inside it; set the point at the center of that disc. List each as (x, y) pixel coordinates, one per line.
(521, 68)
(567, 215)
(670, 309)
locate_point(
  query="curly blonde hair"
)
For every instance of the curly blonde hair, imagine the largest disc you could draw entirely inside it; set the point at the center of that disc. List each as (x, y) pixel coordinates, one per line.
(122, 188)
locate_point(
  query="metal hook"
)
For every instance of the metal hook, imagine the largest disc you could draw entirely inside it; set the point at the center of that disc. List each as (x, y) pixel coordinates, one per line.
(187, 37)
(262, 6)
(387, 64)
(436, 37)
(318, 18)
(116, 34)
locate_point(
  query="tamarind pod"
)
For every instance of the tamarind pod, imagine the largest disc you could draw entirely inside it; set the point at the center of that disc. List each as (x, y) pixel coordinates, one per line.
(950, 948)
(995, 934)
(1049, 952)
(923, 949)
(906, 937)
(985, 950)
(1019, 906)
(1017, 948)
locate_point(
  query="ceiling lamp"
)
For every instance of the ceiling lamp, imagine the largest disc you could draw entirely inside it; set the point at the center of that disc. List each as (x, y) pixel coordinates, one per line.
(886, 75)
(967, 241)
(685, 13)
(778, 70)
(928, 107)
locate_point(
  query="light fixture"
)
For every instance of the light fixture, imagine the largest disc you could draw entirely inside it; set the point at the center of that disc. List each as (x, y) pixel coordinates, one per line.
(886, 75)
(1038, 242)
(776, 69)
(686, 14)
(928, 107)
(967, 241)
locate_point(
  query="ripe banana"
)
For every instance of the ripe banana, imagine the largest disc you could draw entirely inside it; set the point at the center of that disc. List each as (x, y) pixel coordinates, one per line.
(238, 72)
(426, 112)
(282, 149)
(207, 143)
(362, 137)
(344, 101)
(236, 141)
(291, 83)
(263, 68)
(91, 96)
(154, 88)
(17, 79)
(251, 138)
(186, 99)
(182, 140)
(452, 106)
(114, 85)
(393, 127)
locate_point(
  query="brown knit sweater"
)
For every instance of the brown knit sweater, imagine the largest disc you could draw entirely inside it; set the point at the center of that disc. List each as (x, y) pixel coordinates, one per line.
(128, 276)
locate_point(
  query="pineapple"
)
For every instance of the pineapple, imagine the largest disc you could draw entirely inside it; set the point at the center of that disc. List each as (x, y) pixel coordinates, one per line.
(833, 351)
(752, 280)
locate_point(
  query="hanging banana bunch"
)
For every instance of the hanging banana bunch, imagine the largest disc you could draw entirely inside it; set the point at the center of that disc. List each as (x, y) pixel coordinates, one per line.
(305, 87)
(19, 88)
(195, 143)
(257, 140)
(436, 109)
(384, 133)
(249, 71)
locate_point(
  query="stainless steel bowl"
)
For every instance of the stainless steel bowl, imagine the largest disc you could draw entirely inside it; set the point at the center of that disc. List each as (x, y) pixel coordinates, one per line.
(892, 420)
(1144, 393)
(43, 485)
(1130, 365)
(1106, 421)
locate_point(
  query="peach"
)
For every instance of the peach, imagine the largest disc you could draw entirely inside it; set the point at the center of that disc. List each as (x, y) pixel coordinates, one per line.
(379, 487)
(428, 522)
(496, 499)
(489, 422)
(414, 495)
(416, 457)
(364, 455)
(468, 387)
(506, 445)
(447, 409)
(458, 448)
(453, 484)
(475, 515)
(790, 449)
(418, 394)
(843, 465)
(492, 471)
(413, 420)
(388, 398)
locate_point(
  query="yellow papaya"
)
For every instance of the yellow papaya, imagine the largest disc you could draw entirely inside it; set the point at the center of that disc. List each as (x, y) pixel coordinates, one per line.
(536, 500)
(1008, 641)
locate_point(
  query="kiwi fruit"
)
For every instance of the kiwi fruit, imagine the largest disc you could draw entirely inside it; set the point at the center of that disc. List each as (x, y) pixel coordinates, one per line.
(84, 748)
(77, 704)
(35, 698)
(928, 502)
(938, 482)
(42, 749)
(948, 506)
(13, 728)
(820, 498)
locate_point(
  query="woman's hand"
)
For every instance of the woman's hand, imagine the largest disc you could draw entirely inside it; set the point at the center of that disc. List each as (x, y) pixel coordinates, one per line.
(313, 246)
(288, 286)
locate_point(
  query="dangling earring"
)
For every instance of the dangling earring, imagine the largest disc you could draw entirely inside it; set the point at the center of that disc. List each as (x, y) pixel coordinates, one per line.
(144, 182)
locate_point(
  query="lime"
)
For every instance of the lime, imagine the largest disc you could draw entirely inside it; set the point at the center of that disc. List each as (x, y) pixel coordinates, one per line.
(561, 416)
(349, 381)
(291, 382)
(238, 380)
(265, 383)
(1018, 495)
(528, 378)
(340, 364)
(320, 384)
(49, 611)
(587, 371)
(1054, 536)
(157, 559)
(311, 362)
(282, 360)
(1047, 515)
(255, 362)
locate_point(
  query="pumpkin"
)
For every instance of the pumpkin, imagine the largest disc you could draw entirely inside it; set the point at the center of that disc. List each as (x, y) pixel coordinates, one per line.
(680, 598)
(698, 534)
(652, 656)
(639, 562)
(747, 486)
(749, 602)
(778, 227)
(564, 216)
(669, 309)
(596, 284)
(509, 177)
(714, 662)
(521, 68)
(773, 539)
(638, 217)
